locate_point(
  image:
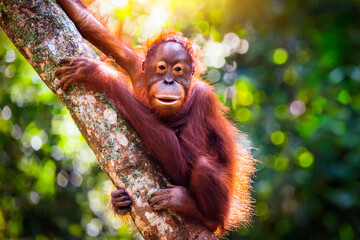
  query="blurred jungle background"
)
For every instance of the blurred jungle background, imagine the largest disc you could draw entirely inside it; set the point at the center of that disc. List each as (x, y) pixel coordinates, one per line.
(288, 70)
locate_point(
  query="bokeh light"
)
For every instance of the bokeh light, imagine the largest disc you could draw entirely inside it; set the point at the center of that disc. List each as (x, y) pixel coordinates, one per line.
(297, 108)
(277, 137)
(306, 159)
(280, 56)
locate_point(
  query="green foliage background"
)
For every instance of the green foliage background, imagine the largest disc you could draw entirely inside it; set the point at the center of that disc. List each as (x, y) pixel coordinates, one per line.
(297, 97)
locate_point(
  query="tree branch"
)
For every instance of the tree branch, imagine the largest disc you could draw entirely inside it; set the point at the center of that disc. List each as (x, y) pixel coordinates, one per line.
(43, 34)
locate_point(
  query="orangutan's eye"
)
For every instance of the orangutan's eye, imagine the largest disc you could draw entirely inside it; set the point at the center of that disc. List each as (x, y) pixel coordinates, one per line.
(178, 69)
(161, 67)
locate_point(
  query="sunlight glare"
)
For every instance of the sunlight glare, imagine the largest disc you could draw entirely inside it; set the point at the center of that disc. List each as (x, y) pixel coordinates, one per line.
(120, 3)
(155, 21)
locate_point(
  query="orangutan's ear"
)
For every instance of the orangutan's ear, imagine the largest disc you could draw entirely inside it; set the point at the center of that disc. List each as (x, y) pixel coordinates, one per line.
(143, 66)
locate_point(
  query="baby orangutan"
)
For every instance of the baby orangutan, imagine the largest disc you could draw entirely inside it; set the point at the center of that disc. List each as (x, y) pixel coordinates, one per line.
(178, 118)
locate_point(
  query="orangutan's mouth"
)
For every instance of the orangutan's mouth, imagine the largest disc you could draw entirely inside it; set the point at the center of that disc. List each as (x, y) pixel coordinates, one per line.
(167, 100)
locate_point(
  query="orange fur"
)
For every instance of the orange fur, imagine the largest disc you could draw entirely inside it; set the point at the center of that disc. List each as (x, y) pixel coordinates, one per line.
(94, 7)
(241, 209)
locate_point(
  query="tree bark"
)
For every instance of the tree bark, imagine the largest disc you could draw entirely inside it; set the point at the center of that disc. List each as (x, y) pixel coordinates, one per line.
(43, 34)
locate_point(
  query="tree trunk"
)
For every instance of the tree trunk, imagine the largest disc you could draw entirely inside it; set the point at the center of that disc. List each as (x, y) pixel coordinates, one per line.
(43, 34)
